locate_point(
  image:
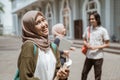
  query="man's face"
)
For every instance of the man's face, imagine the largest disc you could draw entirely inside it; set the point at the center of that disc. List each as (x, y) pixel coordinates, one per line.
(93, 22)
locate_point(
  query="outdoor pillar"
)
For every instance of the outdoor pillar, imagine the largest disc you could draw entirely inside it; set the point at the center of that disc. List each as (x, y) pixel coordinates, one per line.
(15, 24)
(109, 16)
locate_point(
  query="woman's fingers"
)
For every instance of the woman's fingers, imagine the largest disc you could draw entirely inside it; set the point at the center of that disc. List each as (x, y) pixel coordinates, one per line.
(63, 72)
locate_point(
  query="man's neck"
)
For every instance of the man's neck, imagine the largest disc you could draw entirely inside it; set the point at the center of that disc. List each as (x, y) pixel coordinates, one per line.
(94, 26)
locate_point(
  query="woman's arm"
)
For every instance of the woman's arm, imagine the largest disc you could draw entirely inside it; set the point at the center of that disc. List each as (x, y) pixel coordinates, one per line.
(26, 64)
(60, 73)
(57, 41)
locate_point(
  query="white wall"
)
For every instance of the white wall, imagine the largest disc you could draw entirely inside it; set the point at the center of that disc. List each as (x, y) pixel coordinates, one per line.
(7, 18)
(117, 18)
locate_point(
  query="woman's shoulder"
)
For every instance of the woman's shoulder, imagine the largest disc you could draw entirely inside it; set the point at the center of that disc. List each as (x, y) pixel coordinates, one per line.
(53, 45)
(27, 49)
(28, 44)
(54, 48)
(57, 38)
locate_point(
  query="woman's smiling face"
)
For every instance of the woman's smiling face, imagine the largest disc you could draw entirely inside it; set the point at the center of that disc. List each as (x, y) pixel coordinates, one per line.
(41, 26)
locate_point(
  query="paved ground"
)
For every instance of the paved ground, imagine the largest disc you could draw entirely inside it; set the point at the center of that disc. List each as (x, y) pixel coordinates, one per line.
(111, 67)
(10, 49)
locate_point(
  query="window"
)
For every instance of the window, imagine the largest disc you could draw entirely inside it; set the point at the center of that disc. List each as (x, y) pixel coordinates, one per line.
(91, 7)
(49, 17)
(66, 17)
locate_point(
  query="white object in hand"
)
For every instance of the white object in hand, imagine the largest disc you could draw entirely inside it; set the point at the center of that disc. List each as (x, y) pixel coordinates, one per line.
(68, 62)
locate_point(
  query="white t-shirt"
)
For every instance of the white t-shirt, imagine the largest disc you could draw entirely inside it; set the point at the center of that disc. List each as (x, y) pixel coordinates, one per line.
(46, 64)
(97, 37)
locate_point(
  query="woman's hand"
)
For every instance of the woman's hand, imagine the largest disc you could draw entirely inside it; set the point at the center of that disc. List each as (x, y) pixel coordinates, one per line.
(63, 73)
(72, 48)
(66, 53)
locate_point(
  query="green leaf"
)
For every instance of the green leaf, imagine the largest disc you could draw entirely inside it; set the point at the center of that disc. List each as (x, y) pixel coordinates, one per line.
(1, 7)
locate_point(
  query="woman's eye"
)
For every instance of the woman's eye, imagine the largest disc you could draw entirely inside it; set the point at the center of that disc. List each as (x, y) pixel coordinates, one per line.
(43, 19)
(38, 22)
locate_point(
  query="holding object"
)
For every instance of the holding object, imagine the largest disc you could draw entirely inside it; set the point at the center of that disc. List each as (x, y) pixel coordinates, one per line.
(84, 49)
(65, 44)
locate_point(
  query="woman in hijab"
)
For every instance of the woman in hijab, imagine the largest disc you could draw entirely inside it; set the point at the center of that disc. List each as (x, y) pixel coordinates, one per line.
(45, 64)
(59, 32)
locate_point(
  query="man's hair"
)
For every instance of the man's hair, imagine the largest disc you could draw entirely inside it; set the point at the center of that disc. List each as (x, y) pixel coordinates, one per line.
(97, 17)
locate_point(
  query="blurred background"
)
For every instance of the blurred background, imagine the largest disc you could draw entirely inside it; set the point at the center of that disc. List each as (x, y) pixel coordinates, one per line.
(72, 13)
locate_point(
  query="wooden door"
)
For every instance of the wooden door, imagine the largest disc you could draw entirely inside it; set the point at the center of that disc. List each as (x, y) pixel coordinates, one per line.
(78, 30)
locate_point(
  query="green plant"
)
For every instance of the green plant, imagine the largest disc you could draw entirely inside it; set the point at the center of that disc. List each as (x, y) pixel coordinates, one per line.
(1, 7)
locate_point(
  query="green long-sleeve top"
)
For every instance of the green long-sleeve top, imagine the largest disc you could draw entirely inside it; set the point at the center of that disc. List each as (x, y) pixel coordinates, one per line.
(27, 61)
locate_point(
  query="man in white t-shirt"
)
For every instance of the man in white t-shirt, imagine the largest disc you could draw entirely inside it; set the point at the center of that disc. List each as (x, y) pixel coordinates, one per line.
(98, 40)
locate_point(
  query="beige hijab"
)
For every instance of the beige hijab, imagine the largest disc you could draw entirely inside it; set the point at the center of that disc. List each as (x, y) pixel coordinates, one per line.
(29, 33)
(57, 30)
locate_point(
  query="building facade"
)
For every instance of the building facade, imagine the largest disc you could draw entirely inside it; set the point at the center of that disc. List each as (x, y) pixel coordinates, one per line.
(72, 13)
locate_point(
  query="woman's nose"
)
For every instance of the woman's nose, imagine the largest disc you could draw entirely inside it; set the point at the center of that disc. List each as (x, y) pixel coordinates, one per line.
(43, 25)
